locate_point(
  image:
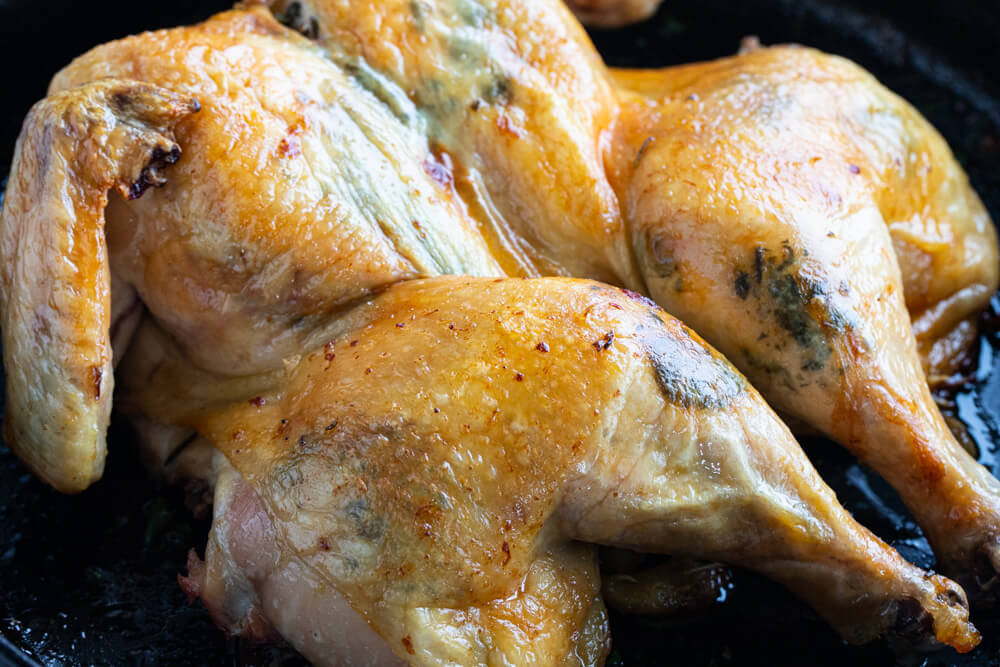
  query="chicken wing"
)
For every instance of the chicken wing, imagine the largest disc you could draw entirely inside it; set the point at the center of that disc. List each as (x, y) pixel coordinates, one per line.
(55, 281)
(442, 451)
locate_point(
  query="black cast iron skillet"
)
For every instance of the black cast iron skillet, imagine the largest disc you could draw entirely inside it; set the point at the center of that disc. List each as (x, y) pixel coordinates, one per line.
(91, 579)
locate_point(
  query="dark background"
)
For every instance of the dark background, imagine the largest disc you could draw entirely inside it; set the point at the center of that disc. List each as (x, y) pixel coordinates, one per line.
(90, 579)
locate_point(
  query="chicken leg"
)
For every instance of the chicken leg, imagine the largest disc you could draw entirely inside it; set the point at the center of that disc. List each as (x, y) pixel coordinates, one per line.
(455, 431)
(797, 248)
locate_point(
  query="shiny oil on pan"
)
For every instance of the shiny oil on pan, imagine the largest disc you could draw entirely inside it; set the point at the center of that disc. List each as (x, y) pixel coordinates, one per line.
(91, 579)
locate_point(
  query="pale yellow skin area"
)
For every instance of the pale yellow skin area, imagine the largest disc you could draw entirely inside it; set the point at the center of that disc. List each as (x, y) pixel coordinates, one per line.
(413, 139)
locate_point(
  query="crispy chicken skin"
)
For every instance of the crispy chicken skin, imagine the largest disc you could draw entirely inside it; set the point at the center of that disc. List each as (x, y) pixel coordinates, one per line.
(430, 453)
(454, 434)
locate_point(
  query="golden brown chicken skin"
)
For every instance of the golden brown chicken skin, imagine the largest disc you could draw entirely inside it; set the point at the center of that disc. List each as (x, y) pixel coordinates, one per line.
(233, 256)
(527, 153)
(455, 434)
(517, 95)
(818, 136)
(298, 191)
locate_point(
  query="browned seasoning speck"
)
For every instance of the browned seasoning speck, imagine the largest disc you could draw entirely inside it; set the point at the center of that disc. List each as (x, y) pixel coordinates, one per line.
(257, 401)
(96, 375)
(542, 347)
(289, 147)
(506, 550)
(408, 644)
(353, 343)
(605, 341)
(519, 376)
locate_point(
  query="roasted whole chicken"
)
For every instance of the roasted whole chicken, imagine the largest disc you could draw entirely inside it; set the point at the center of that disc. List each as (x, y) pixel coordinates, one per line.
(386, 280)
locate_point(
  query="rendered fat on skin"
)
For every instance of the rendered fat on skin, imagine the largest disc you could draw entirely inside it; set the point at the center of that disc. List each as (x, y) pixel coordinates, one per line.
(431, 457)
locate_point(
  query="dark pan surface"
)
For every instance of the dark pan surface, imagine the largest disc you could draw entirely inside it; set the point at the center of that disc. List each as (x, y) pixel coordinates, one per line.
(91, 579)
